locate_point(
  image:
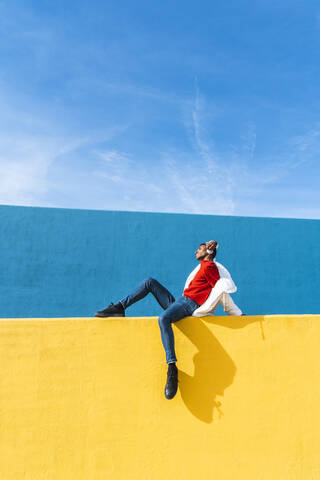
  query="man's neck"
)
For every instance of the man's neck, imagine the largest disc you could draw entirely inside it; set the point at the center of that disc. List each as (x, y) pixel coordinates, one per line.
(207, 257)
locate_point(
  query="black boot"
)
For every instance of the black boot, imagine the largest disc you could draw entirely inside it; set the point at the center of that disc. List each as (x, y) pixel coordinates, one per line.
(172, 381)
(112, 311)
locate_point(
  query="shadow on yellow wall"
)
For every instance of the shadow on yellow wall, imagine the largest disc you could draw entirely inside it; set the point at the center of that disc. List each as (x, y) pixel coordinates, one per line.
(214, 369)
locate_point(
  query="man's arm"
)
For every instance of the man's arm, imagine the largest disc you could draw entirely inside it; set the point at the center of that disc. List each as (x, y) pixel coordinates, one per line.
(211, 274)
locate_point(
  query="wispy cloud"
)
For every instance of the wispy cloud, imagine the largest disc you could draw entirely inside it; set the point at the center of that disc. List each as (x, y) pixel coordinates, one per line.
(31, 144)
(200, 181)
(231, 178)
(303, 148)
(205, 151)
(174, 182)
(249, 141)
(67, 102)
(203, 179)
(296, 151)
(182, 184)
(132, 184)
(24, 165)
(116, 166)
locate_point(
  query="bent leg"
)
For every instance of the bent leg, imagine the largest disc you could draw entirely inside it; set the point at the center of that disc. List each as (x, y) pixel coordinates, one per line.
(228, 305)
(149, 285)
(179, 309)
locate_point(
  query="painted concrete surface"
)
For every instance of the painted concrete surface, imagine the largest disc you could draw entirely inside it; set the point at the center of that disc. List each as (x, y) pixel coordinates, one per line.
(70, 263)
(82, 398)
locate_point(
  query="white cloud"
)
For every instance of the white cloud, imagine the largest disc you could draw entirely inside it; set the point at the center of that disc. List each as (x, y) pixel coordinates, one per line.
(174, 182)
(24, 164)
(231, 180)
(114, 156)
(192, 190)
(31, 143)
(135, 180)
(249, 141)
(182, 185)
(204, 150)
(204, 181)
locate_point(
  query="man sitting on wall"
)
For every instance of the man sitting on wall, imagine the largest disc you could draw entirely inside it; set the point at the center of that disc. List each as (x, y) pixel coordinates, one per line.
(207, 285)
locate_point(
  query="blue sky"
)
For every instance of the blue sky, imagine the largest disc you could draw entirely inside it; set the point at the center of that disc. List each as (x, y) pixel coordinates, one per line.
(173, 106)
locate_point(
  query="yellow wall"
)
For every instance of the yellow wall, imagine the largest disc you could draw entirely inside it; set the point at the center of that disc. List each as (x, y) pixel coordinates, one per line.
(82, 399)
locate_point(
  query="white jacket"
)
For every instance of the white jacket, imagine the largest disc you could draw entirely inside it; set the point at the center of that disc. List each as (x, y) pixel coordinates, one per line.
(225, 284)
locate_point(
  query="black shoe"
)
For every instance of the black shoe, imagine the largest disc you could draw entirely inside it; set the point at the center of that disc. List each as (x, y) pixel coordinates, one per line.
(172, 381)
(112, 311)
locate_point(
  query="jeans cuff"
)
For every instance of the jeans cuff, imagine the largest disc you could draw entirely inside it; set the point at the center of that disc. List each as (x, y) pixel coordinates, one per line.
(171, 361)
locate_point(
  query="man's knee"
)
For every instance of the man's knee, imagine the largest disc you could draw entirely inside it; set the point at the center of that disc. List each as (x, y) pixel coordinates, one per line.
(150, 281)
(163, 320)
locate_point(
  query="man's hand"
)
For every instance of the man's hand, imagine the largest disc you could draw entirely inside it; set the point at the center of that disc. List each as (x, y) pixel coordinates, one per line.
(211, 245)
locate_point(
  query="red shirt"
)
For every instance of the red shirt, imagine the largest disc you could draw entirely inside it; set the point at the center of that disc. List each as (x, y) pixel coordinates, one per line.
(205, 279)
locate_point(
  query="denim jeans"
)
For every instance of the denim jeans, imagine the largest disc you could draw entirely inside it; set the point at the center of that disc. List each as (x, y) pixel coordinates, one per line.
(174, 310)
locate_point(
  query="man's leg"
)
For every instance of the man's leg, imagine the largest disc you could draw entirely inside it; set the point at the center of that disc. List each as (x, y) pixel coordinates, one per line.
(149, 285)
(228, 305)
(181, 308)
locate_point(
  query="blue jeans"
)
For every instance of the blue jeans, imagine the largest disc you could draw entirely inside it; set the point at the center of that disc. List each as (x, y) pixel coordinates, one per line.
(174, 310)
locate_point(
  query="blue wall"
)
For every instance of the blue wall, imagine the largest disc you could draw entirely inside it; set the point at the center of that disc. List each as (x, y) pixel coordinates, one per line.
(60, 262)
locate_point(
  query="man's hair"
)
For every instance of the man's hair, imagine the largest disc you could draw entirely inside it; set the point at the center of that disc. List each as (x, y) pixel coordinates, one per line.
(214, 248)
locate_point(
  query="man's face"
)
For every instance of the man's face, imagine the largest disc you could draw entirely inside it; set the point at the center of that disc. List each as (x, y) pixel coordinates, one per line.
(201, 252)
